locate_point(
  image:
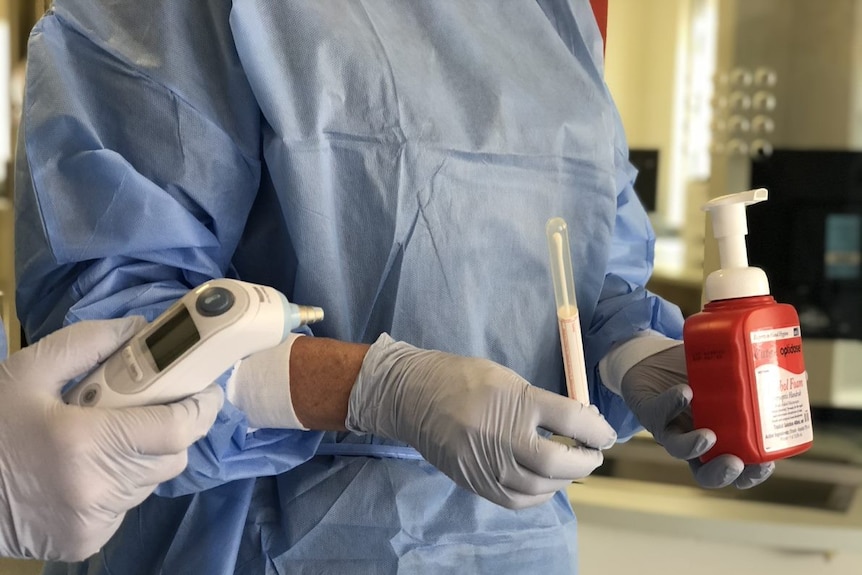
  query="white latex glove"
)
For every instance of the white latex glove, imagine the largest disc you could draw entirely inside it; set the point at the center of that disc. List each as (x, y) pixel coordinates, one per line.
(476, 421)
(68, 474)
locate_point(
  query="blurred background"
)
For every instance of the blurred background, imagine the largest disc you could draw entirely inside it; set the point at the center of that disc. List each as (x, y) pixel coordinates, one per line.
(17, 17)
(720, 96)
(717, 96)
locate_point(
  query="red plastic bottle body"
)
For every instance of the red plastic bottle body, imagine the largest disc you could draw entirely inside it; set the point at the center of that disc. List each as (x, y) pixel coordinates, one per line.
(746, 369)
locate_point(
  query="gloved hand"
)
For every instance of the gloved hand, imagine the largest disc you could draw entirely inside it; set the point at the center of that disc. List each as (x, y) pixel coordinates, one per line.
(476, 421)
(68, 474)
(657, 392)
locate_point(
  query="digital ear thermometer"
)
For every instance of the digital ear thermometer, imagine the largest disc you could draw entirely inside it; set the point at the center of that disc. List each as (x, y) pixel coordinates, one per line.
(568, 317)
(192, 343)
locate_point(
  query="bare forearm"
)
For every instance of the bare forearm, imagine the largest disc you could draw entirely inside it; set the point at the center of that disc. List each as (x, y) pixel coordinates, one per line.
(322, 373)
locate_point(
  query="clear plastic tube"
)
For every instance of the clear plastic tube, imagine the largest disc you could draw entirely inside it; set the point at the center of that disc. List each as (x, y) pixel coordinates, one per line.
(568, 317)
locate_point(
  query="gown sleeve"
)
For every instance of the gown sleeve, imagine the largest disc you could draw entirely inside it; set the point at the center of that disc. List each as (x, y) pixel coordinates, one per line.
(626, 308)
(138, 163)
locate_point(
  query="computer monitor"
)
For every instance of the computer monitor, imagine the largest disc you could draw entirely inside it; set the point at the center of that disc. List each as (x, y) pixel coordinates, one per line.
(646, 184)
(808, 237)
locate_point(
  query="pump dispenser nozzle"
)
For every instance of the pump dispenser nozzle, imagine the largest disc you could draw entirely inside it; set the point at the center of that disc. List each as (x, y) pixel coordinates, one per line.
(735, 278)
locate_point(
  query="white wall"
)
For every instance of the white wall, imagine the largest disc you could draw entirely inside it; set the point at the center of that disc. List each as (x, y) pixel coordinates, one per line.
(856, 86)
(6, 284)
(817, 53)
(640, 69)
(5, 107)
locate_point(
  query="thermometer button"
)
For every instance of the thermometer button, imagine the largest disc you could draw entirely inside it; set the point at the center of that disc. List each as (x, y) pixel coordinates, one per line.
(136, 372)
(131, 364)
(214, 301)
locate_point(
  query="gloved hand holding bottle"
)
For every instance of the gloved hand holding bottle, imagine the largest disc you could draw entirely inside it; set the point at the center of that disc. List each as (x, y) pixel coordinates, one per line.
(477, 422)
(68, 474)
(656, 390)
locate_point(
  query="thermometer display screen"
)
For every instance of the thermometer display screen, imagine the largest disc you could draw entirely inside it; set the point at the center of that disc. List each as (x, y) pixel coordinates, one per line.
(176, 336)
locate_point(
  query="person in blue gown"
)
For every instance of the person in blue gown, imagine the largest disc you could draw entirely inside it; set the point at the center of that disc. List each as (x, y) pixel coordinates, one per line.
(394, 162)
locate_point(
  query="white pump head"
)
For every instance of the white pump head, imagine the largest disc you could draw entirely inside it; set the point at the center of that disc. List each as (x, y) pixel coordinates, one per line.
(729, 225)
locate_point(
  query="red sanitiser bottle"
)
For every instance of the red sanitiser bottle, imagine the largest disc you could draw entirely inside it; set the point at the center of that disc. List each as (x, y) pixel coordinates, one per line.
(743, 352)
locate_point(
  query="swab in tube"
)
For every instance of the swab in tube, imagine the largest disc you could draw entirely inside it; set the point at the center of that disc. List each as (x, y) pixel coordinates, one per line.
(568, 318)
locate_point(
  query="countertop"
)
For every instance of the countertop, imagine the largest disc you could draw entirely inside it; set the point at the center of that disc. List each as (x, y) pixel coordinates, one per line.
(812, 503)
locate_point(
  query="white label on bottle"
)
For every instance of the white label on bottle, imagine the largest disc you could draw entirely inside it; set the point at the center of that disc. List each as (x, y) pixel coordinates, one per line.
(764, 335)
(782, 388)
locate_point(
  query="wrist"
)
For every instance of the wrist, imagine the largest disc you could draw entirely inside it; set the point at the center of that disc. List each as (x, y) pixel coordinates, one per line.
(617, 362)
(382, 371)
(322, 374)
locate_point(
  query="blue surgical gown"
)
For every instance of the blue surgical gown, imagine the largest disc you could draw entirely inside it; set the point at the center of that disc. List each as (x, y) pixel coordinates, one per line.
(393, 161)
